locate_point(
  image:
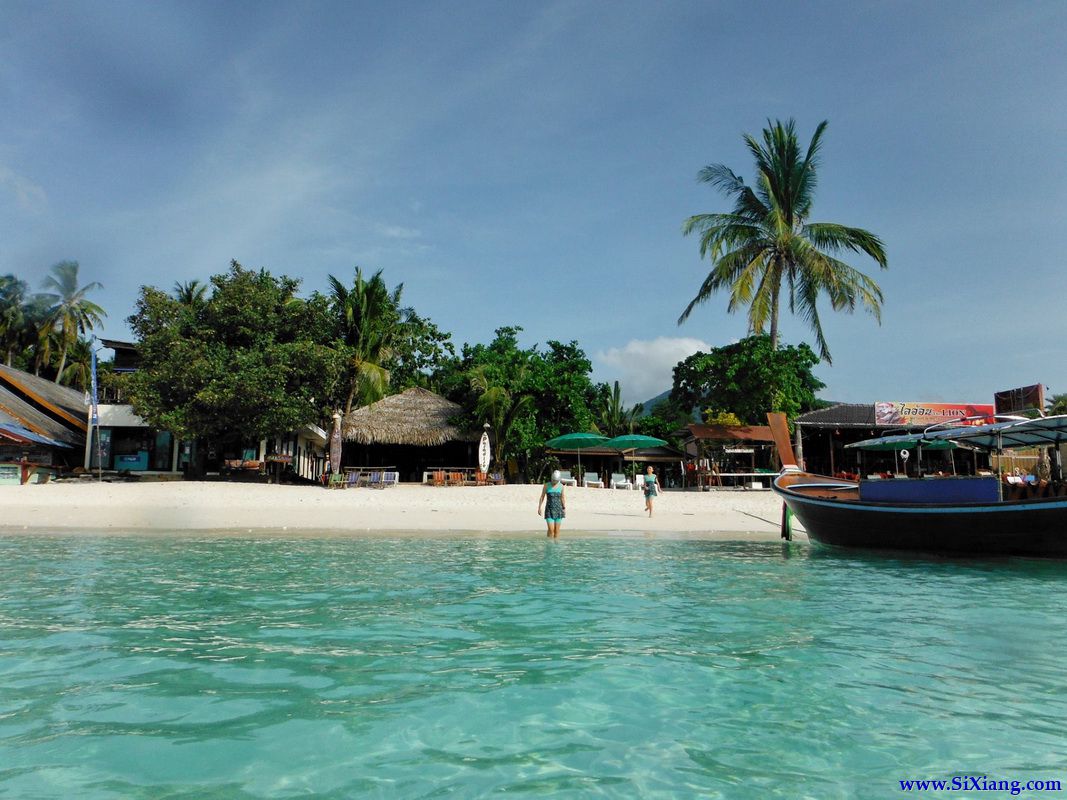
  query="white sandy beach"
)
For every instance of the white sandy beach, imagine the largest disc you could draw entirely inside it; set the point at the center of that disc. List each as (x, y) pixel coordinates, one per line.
(237, 507)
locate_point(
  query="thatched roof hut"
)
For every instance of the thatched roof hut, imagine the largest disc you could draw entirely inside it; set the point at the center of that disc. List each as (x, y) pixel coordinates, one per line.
(413, 417)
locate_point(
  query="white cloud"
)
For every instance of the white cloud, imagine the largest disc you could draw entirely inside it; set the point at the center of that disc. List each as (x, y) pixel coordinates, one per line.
(398, 232)
(644, 367)
(30, 196)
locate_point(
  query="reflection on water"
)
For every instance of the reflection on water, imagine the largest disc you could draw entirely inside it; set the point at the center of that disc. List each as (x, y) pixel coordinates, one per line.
(186, 666)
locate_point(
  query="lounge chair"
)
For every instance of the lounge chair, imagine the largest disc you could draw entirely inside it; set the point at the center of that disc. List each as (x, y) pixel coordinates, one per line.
(390, 479)
(439, 478)
(375, 480)
(337, 481)
(592, 480)
(566, 479)
(620, 481)
(353, 478)
(496, 478)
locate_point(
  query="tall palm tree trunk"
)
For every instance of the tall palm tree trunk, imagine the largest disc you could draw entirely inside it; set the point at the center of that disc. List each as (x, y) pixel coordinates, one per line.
(62, 362)
(775, 302)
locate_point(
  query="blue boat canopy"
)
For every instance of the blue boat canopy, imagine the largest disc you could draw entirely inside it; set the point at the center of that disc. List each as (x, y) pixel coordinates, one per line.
(1009, 435)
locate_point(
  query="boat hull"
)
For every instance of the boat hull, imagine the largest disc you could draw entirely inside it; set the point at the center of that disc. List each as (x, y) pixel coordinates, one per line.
(1020, 528)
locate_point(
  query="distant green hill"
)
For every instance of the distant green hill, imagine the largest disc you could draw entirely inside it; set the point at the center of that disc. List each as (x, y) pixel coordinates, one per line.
(650, 404)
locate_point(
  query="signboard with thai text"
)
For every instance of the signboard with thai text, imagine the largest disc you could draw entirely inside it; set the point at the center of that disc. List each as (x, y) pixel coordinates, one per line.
(890, 414)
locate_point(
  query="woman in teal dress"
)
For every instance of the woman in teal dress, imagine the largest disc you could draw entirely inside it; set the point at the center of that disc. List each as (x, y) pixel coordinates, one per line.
(651, 489)
(556, 505)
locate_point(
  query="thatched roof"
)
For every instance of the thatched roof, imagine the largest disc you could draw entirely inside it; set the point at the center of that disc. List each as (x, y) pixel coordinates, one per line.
(414, 417)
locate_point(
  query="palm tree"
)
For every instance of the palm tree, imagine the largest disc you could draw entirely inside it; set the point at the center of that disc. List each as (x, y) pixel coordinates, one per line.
(499, 405)
(616, 420)
(79, 365)
(1056, 404)
(12, 315)
(71, 313)
(191, 293)
(370, 323)
(766, 243)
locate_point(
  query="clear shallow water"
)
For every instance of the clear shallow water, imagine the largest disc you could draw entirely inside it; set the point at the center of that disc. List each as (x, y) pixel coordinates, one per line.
(181, 667)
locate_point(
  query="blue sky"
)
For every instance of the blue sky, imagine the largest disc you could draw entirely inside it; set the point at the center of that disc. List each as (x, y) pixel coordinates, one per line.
(532, 164)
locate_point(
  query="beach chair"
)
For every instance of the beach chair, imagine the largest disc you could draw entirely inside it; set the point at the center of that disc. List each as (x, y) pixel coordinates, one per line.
(481, 479)
(353, 478)
(337, 481)
(438, 478)
(566, 478)
(619, 481)
(375, 481)
(390, 479)
(592, 480)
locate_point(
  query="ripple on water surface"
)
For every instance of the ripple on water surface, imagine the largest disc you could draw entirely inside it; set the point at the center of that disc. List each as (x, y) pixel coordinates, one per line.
(411, 667)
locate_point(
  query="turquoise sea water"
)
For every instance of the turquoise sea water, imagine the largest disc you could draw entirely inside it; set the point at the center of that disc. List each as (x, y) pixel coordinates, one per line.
(185, 667)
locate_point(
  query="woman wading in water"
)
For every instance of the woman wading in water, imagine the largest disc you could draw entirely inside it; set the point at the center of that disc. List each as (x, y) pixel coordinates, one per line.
(556, 507)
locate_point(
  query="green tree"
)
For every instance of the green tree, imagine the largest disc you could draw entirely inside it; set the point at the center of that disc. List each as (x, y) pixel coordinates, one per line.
(615, 419)
(766, 243)
(190, 293)
(527, 394)
(369, 320)
(78, 373)
(749, 378)
(71, 313)
(663, 420)
(1056, 404)
(248, 363)
(13, 320)
(420, 346)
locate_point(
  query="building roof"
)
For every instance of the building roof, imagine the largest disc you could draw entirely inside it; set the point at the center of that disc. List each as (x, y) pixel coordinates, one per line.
(16, 411)
(58, 401)
(730, 433)
(841, 415)
(118, 344)
(414, 417)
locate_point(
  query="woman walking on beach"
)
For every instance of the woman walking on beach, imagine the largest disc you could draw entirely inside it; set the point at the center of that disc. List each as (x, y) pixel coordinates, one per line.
(556, 507)
(652, 488)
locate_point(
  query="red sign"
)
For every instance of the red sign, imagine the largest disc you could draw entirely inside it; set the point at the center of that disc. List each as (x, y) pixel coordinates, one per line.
(916, 414)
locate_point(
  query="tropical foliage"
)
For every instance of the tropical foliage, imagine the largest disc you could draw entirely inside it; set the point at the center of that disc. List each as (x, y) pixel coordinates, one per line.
(527, 395)
(1056, 404)
(45, 331)
(248, 362)
(748, 379)
(766, 244)
(71, 313)
(615, 419)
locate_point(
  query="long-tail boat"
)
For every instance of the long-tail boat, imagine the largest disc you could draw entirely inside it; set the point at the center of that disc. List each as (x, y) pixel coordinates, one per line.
(966, 515)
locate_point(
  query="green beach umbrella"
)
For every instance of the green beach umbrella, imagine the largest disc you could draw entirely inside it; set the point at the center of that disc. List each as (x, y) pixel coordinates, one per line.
(633, 441)
(576, 442)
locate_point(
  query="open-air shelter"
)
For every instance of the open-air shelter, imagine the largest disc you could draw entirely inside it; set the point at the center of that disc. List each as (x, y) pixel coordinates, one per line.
(413, 431)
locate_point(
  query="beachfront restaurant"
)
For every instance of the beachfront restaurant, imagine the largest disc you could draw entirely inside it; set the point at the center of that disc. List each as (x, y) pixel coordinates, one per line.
(729, 455)
(820, 438)
(411, 433)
